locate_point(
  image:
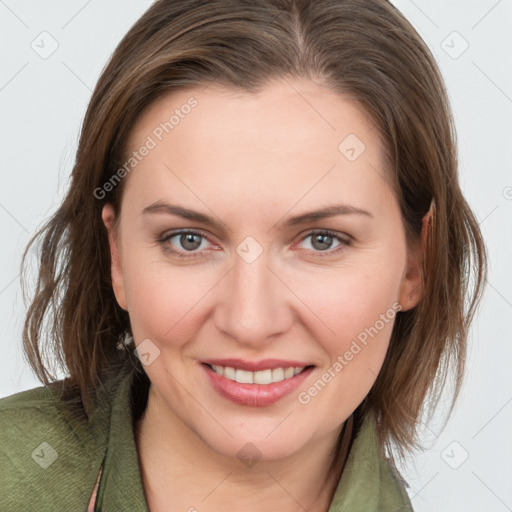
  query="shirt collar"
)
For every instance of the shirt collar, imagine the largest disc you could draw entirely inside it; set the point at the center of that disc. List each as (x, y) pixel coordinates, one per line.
(120, 485)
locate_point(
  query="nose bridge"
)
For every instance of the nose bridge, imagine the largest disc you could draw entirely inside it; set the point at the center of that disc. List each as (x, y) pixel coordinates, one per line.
(254, 308)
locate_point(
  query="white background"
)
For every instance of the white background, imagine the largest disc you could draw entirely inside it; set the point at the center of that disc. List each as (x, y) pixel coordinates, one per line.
(467, 467)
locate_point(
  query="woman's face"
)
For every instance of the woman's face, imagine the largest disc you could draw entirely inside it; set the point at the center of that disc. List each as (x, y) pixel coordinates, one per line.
(221, 260)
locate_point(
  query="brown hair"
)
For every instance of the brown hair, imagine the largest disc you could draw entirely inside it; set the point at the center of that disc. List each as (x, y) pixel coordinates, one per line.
(362, 49)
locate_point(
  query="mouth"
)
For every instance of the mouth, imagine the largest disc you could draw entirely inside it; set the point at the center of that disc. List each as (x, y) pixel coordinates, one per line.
(256, 388)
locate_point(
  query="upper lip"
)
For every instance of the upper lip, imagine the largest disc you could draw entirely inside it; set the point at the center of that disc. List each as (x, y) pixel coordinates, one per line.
(254, 366)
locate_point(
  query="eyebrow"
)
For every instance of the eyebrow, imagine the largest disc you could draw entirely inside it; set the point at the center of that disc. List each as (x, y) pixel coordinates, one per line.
(303, 218)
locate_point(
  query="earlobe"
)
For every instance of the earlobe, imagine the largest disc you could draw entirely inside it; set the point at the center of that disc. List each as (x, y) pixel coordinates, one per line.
(108, 217)
(412, 288)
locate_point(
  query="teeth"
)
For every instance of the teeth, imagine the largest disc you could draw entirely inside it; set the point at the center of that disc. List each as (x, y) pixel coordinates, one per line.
(261, 377)
(288, 373)
(229, 373)
(244, 377)
(218, 369)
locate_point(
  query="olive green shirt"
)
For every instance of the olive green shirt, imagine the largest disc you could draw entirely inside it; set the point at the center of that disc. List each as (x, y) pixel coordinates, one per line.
(50, 458)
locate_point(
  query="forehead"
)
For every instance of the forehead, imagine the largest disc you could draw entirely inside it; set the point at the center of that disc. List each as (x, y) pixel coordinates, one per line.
(281, 107)
(292, 133)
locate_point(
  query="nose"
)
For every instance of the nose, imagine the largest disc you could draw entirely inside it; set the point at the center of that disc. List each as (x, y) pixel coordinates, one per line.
(255, 306)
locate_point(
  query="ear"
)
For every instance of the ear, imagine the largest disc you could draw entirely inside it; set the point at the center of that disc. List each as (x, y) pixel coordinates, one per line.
(108, 217)
(411, 288)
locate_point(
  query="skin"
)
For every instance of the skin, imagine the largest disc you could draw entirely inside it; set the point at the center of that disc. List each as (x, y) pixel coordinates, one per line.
(251, 161)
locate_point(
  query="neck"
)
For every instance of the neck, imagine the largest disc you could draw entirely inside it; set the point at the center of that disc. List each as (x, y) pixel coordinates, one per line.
(178, 467)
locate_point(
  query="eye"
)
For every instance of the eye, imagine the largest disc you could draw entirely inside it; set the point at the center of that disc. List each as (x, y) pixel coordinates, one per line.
(186, 241)
(322, 241)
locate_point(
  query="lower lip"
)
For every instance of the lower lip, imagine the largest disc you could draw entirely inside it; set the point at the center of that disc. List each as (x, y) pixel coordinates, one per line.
(255, 395)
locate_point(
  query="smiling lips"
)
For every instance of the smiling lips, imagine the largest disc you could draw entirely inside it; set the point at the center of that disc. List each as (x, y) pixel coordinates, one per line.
(255, 384)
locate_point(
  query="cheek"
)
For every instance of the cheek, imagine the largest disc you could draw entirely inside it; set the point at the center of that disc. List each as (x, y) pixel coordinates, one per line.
(362, 322)
(163, 300)
(351, 300)
(355, 309)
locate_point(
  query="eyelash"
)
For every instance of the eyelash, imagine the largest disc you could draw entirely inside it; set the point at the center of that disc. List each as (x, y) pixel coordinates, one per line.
(345, 241)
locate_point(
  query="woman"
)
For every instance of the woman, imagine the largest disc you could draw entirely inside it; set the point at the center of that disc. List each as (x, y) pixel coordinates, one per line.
(260, 275)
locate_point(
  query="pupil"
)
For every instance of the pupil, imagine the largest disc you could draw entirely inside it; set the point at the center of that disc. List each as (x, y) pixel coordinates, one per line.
(188, 242)
(324, 239)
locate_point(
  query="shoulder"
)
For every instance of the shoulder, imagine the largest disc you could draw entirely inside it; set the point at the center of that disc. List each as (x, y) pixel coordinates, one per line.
(28, 415)
(47, 453)
(390, 487)
(370, 482)
(393, 494)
